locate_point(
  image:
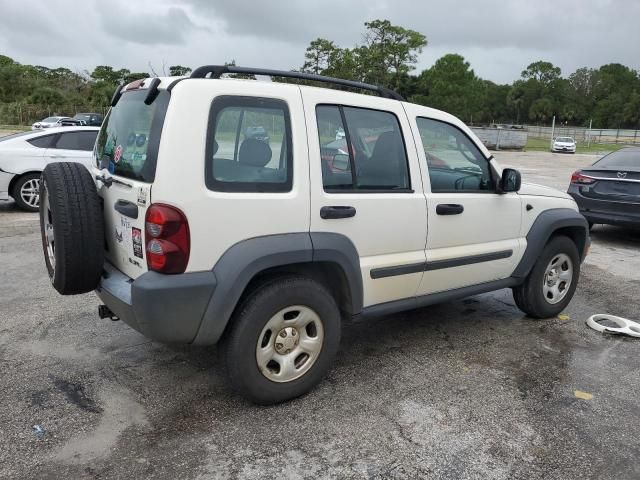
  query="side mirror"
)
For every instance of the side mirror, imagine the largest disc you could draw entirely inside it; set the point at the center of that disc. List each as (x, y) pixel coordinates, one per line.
(340, 162)
(510, 181)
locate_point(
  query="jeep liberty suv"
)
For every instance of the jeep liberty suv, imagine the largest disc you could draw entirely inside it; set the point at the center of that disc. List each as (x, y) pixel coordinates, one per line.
(190, 229)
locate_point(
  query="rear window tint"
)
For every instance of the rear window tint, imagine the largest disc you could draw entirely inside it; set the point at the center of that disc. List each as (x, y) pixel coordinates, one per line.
(84, 140)
(128, 140)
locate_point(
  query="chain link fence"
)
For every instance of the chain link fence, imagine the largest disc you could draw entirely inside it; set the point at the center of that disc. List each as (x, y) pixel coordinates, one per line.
(586, 135)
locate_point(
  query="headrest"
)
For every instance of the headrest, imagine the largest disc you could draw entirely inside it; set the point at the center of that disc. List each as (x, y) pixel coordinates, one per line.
(254, 152)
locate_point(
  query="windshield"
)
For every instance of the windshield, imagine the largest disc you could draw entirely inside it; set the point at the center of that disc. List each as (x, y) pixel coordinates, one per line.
(621, 159)
(51, 119)
(564, 139)
(128, 141)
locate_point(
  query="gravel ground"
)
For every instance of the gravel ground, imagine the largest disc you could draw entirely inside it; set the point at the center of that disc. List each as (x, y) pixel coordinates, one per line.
(468, 389)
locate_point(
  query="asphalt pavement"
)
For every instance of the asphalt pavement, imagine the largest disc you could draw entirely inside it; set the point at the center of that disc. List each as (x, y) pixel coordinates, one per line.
(468, 389)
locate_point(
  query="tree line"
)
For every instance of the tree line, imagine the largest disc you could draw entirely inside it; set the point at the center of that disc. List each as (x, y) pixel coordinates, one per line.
(387, 56)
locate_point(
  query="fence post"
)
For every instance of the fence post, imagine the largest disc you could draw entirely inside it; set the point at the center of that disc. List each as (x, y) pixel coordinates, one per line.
(635, 136)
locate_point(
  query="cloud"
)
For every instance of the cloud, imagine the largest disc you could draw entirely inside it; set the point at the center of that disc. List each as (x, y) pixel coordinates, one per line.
(147, 26)
(499, 38)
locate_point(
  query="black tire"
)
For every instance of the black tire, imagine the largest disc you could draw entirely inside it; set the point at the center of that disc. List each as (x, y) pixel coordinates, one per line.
(16, 192)
(529, 296)
(241, 340)
(69, 196)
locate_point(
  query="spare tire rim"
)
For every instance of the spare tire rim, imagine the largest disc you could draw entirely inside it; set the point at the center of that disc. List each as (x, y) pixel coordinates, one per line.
(49, 237)
(290, 343)
(557, 278)
(30, 192)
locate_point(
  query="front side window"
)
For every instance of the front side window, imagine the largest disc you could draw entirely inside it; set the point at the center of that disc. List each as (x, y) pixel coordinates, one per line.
(249, 145)
(361, 150)
(453, 160)
(77, 141)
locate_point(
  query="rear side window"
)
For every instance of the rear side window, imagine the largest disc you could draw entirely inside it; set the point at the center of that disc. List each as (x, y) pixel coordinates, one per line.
(361, 150)
(128, 140)
(249, 145)
(77, 141)
(43, 141)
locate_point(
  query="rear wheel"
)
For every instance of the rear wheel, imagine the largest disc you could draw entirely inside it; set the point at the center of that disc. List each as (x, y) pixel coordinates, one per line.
(282, 341)
(72, 228)
(26, 192)
(550, 285)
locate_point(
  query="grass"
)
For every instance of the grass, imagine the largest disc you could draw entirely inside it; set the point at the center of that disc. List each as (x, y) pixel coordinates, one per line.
(541, 144)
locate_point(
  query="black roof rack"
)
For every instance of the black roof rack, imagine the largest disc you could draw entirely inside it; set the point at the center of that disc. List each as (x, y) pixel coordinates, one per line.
(215, 71)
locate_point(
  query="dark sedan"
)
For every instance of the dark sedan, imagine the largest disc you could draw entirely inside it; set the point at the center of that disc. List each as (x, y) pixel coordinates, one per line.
(609, 190)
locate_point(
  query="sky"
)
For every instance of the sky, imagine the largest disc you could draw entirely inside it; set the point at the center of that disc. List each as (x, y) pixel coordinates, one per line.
(498, 38)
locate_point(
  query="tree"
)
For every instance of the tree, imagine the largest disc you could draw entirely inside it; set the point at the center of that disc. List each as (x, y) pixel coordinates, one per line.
(543, 72)
(319, 55)
(453, 86)
(388, 52)
(179, 71)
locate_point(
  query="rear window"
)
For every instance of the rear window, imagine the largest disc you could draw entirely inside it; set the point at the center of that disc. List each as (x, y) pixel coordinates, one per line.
(620, 159)
(14, 135)
(128, 140)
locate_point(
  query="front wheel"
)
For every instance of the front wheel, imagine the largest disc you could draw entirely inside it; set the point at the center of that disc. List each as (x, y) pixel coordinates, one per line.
(282, 341)
(550, 285)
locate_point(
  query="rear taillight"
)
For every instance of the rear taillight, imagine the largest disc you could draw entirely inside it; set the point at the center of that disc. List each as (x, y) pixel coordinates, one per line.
(579, 178)
(167, 239)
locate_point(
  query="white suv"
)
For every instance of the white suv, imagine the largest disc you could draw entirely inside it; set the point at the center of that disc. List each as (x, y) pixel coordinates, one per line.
(192, 230)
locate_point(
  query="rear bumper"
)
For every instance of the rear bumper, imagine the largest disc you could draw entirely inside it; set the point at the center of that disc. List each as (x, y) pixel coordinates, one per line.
(606, 211)
(166, 308)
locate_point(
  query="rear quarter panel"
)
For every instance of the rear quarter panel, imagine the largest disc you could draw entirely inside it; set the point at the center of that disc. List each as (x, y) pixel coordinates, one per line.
(218, 220)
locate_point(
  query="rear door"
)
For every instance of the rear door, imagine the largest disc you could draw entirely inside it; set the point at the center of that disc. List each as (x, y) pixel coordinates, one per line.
(126, 151)
(366, 186)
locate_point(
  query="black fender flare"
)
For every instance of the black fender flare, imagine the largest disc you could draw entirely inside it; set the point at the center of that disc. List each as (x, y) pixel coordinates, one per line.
(544, 226)
(244, 260)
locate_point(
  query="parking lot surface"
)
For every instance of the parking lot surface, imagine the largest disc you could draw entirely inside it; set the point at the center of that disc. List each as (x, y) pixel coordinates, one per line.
(468, 389)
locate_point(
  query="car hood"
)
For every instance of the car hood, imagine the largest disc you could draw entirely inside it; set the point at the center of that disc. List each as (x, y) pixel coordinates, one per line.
(542, 191)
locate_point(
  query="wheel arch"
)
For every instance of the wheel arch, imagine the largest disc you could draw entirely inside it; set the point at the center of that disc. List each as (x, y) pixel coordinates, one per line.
(329, 258)
(550, 223)
(18, 176)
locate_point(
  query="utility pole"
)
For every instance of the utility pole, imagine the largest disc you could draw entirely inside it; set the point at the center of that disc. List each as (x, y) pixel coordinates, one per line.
(553, 127)
(589, 141)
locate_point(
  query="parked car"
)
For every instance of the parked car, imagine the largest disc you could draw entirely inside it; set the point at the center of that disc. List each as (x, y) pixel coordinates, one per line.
(564, 144)
(49, 122)
(609, 190)
(257, 133)
(23, 156)
(89, 119)
(187, 242)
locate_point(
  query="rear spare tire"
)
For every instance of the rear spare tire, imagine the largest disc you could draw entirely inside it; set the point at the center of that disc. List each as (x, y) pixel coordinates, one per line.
(72, 228)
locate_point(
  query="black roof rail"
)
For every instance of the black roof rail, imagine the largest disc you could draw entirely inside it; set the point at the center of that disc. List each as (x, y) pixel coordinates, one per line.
(216, 71)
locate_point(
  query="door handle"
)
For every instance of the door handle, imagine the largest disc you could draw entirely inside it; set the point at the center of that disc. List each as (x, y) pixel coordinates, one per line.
(449, 209)
(337, 211)
(126, 208)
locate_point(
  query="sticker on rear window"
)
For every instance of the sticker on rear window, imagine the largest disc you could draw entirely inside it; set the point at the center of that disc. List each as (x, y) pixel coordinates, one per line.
(136, 236)
(117, 154)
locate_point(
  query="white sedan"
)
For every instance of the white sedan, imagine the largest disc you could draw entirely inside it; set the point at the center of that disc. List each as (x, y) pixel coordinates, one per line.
(564, 144)
(24, 155)
(49, 122)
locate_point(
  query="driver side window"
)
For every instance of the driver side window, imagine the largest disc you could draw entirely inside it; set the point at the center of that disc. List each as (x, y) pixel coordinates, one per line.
(454, 162)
